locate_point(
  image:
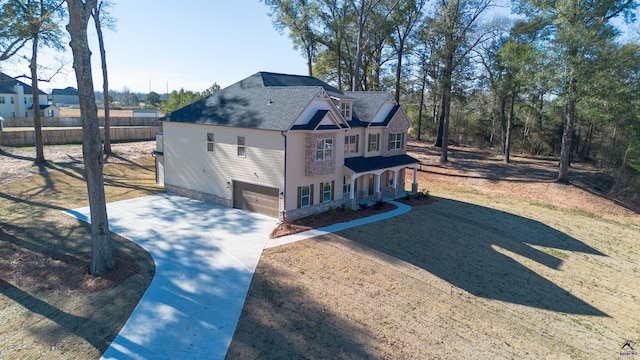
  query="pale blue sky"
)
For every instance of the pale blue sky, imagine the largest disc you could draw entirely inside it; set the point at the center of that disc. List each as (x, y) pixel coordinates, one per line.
(186, 44)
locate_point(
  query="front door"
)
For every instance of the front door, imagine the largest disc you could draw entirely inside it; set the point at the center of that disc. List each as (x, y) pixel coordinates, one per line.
(371, 183)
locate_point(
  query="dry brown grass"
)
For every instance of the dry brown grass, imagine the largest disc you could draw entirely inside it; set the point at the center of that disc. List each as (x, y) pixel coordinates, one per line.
(49, 306)
(504, 265)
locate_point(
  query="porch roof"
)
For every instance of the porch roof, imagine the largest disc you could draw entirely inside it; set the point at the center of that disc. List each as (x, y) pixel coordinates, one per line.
(366, 164)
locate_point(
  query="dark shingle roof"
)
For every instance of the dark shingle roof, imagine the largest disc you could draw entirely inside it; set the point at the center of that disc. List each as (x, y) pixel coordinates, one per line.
(390, 116)
(7, 84)
(364, 164)
(273, 108)
(272, 101)
(313, 123)
(66, 91)
(366, 105)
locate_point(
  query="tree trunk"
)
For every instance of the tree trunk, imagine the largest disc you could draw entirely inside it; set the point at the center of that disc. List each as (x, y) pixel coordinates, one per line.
(507, 138)
(565, 151)
(422, 88)
(503, 123)
(35, 94)
(105, 82)
(339, 54)
(355, 86)
(310, 60)
(438, 142)
(444, 156)
(399, 70)
(102, 259)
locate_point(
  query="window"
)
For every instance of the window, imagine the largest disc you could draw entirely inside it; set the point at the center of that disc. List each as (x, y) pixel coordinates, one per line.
(305, 196)
(346, 185)
(11, 100)
(210, 147)
(374, 140)
(345, 110)
(351, 144)
(327, 191)
(324, 149)
(242, 151)
(2, 101)
(395, 141)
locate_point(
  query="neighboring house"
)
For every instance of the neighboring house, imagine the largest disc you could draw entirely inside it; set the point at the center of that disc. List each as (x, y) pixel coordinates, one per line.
(287, 146)
(66, 96)
(145, 113)
(16, 97)
(45, 111)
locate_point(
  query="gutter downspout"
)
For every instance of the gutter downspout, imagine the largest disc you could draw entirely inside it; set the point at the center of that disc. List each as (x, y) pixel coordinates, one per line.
(284, 191)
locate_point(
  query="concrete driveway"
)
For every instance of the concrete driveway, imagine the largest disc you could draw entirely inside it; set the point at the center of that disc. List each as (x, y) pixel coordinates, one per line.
(205, 256)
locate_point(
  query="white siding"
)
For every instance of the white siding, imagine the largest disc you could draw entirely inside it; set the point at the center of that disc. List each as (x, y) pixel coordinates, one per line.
(189, 165)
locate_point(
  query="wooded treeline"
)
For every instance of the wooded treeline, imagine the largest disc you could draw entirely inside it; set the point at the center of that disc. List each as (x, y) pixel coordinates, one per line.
(541, 77)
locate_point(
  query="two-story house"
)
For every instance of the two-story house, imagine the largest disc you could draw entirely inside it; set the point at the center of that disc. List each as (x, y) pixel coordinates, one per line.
(286, 146)
(16, 98)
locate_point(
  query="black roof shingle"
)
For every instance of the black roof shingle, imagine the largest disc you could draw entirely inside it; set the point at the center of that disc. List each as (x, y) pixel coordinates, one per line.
(364, 164)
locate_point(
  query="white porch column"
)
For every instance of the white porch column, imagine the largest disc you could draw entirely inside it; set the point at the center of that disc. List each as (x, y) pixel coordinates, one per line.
(395, 178)
(376, 187)
(352, 189)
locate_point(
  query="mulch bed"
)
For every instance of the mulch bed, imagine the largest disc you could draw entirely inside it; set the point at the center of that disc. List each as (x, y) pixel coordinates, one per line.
(343, 215)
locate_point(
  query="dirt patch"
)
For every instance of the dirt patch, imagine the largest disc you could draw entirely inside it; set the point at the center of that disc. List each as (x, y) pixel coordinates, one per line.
(501, 266)
(49, 306)
(17, 162)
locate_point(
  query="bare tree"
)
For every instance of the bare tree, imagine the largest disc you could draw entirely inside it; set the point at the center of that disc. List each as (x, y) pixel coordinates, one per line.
(457, 23)
(102, 259)
(100, 20)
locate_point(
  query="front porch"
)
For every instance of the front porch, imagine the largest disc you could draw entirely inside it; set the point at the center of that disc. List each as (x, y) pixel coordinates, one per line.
(368, 180)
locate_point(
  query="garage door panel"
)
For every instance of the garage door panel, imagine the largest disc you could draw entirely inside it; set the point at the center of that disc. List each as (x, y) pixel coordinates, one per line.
(256, 198)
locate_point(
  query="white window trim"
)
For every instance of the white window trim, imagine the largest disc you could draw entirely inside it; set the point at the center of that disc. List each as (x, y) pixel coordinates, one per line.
(324, 148)
(326, 191)
(351, 147)
(303, 196)
(396, 141)
(242, 148)
(375, 144)
(211, 141)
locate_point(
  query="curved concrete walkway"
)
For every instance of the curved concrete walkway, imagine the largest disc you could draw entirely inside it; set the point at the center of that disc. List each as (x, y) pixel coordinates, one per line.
(205, 256)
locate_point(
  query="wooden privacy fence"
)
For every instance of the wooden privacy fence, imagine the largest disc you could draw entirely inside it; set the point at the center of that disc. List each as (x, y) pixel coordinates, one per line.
(74, 135)
(77, 122)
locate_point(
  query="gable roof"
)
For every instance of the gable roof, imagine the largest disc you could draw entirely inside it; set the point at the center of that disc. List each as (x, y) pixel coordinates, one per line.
(7, 85)
(272, 101)
(66, 91)
(247, 106)
(390, 116)
(367, 104)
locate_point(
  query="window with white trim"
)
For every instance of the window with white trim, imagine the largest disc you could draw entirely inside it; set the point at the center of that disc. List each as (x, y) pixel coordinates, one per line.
(324, 149)
(351, 144)
(374, 140)
(304, 199)
(327, 191)
(12, 100)
(2, 100)
(345, 110)
(210, 143)
(395, 141)
(242, 151)
(346, 185)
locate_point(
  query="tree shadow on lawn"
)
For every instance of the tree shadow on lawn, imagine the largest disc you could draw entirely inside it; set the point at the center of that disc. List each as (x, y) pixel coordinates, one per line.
(280, 321)
(456, 241)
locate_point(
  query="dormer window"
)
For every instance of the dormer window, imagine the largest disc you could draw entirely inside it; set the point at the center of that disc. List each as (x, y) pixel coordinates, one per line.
(345, 109)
